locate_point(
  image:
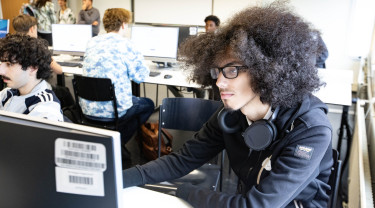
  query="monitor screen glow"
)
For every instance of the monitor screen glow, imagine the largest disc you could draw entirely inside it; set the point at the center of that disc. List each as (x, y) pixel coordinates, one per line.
(70, 38)
(4, 27)
(156, 43)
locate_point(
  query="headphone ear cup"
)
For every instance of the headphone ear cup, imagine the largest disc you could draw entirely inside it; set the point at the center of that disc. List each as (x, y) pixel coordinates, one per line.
(223, 117)
(260, 134)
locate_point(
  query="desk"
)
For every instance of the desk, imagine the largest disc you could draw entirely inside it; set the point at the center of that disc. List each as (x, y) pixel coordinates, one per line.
(72, 70)
(179, 76)
(140, 197)
(338, 89)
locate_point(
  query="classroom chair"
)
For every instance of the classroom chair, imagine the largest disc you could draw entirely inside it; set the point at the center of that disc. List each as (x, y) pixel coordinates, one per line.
(95, 89)
(190, 114)
(334, 179)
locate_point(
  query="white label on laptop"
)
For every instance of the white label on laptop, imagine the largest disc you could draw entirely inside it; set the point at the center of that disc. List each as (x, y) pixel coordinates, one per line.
(82, 182)
(80, 155)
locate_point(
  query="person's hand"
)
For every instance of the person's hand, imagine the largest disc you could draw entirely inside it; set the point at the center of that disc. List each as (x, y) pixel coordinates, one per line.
(95, 23)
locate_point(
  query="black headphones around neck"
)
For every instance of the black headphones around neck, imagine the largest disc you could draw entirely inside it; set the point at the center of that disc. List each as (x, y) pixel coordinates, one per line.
(258, 136)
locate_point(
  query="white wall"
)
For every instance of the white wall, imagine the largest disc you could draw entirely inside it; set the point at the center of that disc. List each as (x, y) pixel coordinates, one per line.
(225, 9)
(183, 12)
(1, 11)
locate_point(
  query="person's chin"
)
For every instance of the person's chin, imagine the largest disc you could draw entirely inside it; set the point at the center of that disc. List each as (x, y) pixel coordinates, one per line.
(229, 106)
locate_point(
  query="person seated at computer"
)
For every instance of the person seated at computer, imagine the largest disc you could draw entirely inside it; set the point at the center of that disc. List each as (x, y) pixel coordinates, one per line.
(24, 67)
(90, 16)
(113, 56)
(212, 23)
(279, 138)
(65, 15)
(26, 24)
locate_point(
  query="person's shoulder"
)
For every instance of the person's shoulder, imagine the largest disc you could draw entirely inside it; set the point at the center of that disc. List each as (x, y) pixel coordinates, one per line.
(93, 8)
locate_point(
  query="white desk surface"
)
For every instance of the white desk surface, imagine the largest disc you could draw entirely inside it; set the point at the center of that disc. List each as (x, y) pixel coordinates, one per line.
(338, 89)
(140, 197)
(179, 77)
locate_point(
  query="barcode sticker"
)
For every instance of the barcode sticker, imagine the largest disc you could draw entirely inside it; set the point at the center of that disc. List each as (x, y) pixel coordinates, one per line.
(80, 155)
(82, 182)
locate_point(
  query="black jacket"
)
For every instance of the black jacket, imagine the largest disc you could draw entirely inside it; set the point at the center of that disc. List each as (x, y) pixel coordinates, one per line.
(300, 164)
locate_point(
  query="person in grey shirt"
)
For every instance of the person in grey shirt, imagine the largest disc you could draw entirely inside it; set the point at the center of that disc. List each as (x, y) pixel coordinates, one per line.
(89, 15)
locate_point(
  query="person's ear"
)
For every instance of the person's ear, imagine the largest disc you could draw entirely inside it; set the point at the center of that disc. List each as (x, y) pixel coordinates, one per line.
(32, 70)
(124, 25)
(33, 31)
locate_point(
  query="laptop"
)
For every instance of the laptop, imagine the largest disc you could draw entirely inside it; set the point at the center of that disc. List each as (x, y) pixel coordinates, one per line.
(55, 164)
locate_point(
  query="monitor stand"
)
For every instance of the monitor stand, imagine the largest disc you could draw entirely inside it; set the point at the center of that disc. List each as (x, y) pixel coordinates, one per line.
(163, 64)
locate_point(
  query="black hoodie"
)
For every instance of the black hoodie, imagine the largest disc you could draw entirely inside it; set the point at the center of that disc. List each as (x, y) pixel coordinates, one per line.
(300, 162)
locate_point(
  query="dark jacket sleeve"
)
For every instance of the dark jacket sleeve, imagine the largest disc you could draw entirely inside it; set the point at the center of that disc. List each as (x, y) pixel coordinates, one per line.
(195, 152)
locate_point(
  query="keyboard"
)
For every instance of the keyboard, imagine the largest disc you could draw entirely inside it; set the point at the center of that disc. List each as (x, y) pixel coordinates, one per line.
(70, 64)
(154, 74)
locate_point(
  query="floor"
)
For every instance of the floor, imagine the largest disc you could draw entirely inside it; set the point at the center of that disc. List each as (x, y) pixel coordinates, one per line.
(229, 178)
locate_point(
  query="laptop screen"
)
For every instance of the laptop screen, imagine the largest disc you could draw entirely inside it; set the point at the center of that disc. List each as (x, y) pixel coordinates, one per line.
(4, 27)
(56, 164)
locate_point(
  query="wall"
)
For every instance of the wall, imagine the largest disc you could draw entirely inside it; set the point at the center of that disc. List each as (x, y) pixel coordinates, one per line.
(182, 12)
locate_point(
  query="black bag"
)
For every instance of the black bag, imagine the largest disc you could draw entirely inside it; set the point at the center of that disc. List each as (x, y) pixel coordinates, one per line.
(72, 113)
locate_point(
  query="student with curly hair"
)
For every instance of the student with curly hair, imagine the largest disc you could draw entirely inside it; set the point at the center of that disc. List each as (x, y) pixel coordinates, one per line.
(113, 56)
(24, 67)
(275, 132)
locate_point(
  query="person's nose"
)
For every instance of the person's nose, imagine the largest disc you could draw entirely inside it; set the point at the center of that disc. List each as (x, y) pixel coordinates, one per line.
(221, 81)
(2, 68)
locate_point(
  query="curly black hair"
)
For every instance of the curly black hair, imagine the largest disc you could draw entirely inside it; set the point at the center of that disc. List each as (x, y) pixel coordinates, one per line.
(213, 18)
(27, 51)
(276, 45)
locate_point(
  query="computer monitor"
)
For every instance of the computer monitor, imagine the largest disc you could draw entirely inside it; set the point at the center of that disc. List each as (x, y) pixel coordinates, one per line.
(57, 164)
(156, 43)
(185, 32)
(4, 27)
(70, 39)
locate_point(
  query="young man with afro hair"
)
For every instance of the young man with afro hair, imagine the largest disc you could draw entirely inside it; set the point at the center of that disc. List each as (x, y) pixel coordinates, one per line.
(275, 132)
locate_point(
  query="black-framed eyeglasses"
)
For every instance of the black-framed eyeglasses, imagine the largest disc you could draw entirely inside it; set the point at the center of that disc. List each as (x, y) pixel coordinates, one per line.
(229, 72)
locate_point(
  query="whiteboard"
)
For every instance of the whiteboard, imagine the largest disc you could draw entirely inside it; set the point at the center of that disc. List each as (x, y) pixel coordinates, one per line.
(182, 12)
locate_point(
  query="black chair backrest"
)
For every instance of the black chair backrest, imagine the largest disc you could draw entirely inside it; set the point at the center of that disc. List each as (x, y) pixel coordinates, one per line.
(334, 179)
(95, 89)
(187, 114)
